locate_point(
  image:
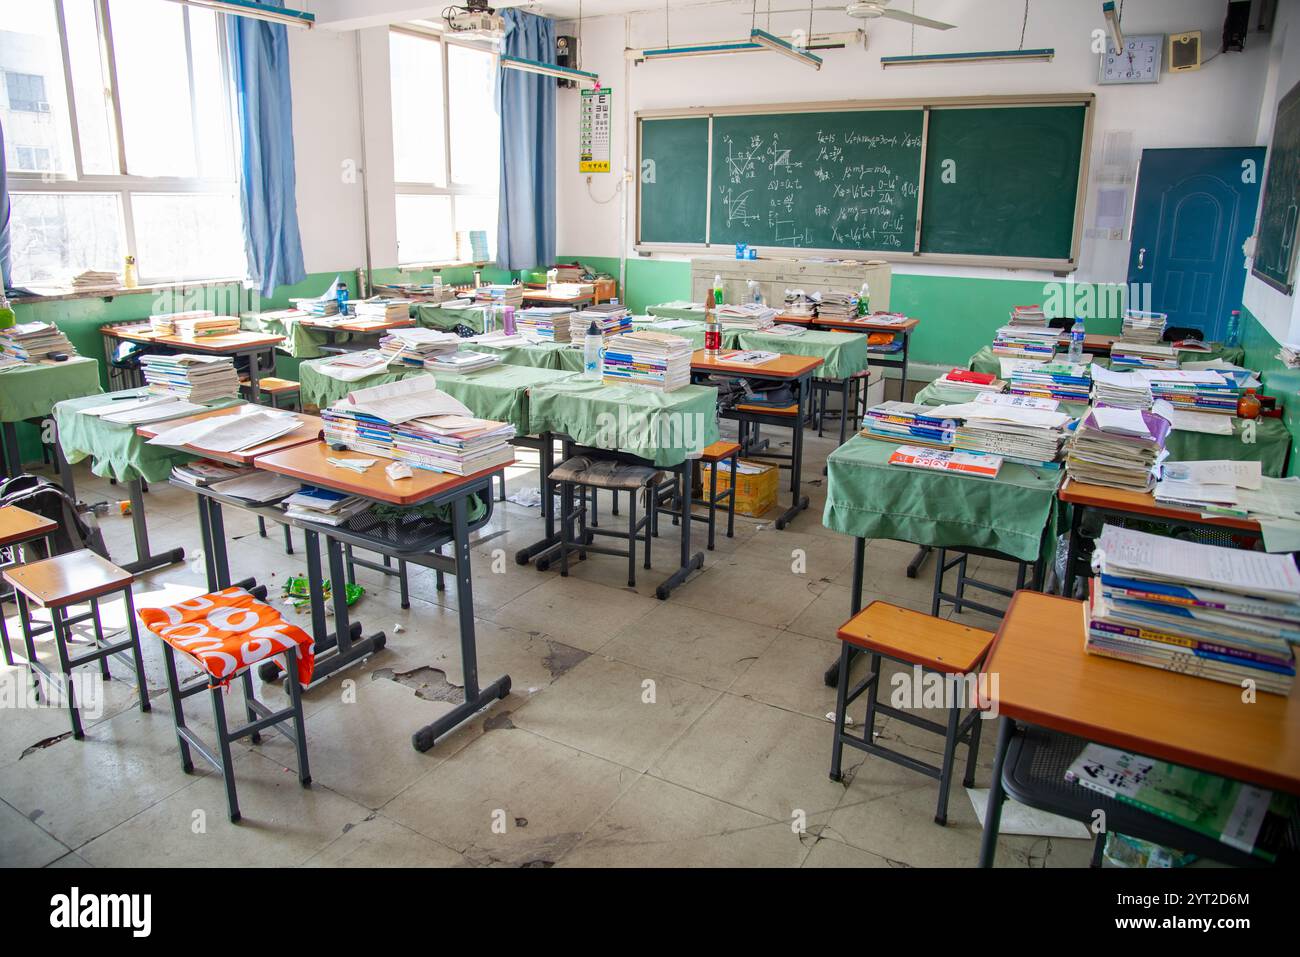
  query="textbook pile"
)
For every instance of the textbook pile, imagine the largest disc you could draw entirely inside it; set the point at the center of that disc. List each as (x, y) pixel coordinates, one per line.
(501, 294)
(189, 326)
(323, 506)
(547, 323)
(1220, 613)
(1141, 355)
(1146, 327)
(317, 308)
(1119, 448)
(1002, 426)
(383, 308)
(973, 383)
(834, 304)
(610, 319)
(1027, 316)
(655, 360)
(1064, 381)
(1025, 342)
(413, 347)
(190, 377)
(1194, 391)
(463, 361)
(1124, 390)
(164, 324)
(908, 423)
(29, 341)
(747, 316)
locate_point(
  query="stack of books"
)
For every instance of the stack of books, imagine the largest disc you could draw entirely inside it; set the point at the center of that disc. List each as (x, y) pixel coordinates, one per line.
(96, 279)
(413, 347)
(973, 382)
(1194, 391)
(458, 445)
(1124, 390)
(463, 361)
(164, 324)
(1119, 448)
(1025, 342)
(834, 304)
(656, 360)
(434, 292)
(799, 303)
(1016, 433)
(1027, 316)
(29, 341)
(192, 378)
(909, 423)
(1142, 355)
(500, 294)
(1220, 613)
(323, 506)
(204, 472)
(547, 323)
(383, 308)
(750, 316)
(317, 308)
(201, 327)
(1144, 327)
(1064, 381)
(611, 320)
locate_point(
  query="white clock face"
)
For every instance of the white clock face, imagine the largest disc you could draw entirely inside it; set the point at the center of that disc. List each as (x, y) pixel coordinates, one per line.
(1138, 62)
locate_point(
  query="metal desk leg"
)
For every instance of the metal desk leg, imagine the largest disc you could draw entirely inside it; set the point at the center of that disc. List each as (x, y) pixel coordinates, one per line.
(66, 477)
(13, 459)
(689, 562)
(205, 541)
(344, 646)
(902, 382)
(993, 814)
(476, 698)
(1072, 550)
(844, 409)
(914, 566)
(546, 460)
(217, 535)
(832, 676)
(146, 560)
(798, 503)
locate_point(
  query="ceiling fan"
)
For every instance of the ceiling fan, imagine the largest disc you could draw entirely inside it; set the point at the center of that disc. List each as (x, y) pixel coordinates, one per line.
(874, 10)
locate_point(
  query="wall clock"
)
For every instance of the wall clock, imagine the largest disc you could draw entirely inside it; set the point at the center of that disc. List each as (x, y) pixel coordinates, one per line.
(1138, 62)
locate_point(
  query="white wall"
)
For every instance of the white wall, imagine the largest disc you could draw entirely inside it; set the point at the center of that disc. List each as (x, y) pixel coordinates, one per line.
(1216, 106)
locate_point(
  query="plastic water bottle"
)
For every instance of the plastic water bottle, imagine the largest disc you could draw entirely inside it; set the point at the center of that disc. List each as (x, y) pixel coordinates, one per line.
(343, 299)
(508, 320)
(490, 318)
(864, 299)
(716, 291)
(712, 328)
(1233, 335)
(755, 291)
(1076, 341)
(591, 350)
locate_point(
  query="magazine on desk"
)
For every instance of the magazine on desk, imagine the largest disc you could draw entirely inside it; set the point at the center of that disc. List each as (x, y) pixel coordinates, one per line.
(956, 463)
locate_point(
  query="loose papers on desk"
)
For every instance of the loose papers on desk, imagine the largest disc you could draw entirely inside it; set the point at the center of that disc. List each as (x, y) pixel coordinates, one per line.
(1117, 457)
(1125, 390)
(1185, 421)
(412, 347)
(141, 410)
(406, 399)
(463, 361)
(230, 433)
(1238, 489)
(354, 366)
(258, 487)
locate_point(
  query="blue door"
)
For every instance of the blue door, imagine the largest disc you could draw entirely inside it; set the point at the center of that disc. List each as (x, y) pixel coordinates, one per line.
(1193, 210)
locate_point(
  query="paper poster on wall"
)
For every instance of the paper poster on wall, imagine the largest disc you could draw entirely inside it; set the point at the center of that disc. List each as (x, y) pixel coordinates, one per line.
(593, 131)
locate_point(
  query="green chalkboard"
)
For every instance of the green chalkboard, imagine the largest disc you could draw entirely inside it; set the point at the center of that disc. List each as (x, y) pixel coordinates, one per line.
(1275, 248)
(830, 180)
(1002, 181)
(674, 180)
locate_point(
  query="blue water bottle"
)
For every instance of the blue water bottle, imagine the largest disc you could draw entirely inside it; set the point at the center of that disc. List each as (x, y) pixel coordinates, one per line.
(343, 299)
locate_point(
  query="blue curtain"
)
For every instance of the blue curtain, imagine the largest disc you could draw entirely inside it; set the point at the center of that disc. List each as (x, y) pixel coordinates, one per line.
(526, 105)
(4, 215)
(259, 60)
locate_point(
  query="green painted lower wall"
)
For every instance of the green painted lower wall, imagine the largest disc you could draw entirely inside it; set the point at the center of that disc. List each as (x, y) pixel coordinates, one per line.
(1279, 381)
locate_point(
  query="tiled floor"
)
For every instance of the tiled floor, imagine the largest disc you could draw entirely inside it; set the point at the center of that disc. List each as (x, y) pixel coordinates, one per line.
(638, 732)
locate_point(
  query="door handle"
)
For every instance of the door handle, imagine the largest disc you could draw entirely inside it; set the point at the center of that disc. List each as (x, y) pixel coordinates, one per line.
(1142, 255)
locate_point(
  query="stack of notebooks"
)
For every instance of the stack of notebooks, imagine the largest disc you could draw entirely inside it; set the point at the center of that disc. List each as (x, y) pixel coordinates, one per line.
(1220, 613)
(833, 304)
(500, 294)
(190, 377)
(656, 360)
(749, 316)
(611, 320)
(1025, 434)
(434, 292)
(96, 279)
(1124, 390)
(1064, 381)
(462, 361)
(1142, 355)
(415, 346)
(383, 308)
(459, 445)
(909, 423)
(201, 327)
(204, 472)
(1144, 327)
(164, 324)
(317, 308)
(547, 323)
(1025, 342)
(1194, 391)
(1027, 316)
(798, 303)
(965, 380)
(1119, 448)
(30, 341)
(323, 506)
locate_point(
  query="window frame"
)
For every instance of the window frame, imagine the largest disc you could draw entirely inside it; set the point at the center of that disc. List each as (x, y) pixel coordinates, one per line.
(452, 190)
(123, 183)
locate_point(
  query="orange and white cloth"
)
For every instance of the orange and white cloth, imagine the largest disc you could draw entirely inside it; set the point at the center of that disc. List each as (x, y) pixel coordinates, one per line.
(228, 631)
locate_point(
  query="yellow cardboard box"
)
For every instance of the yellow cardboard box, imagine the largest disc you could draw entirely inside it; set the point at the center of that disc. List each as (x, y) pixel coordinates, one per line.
(755, 493)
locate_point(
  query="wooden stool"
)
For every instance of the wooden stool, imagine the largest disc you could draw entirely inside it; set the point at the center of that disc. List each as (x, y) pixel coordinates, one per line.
(668, 494)
(69, 579)
(225, 634)
(937, 647)
(273, 387)
(18, 527)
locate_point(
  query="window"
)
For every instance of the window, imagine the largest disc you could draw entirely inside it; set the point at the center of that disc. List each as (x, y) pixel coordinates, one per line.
(446, 146)
(119, 140)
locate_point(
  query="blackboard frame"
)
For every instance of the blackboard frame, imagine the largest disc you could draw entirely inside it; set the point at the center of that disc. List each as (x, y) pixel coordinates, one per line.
(1087, 100)
(1280, 198)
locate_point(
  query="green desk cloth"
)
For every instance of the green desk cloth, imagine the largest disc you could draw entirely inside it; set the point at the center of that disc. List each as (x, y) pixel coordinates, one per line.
(318, 389)
(694, 332)
(865, 496)
(662, 427)
(1269, 446)
(676, 312)
(116, 451)
(539, 355)
(435, 316)
(843, 353)
(298, 342)
(30, 391)
(986, 361)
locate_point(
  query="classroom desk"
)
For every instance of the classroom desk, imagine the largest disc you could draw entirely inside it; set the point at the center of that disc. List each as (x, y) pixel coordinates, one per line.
(1098, 346)
(1121, 504)
(1046, 679)
(667, 430)
(359, 333)
(29, 392)
(299, 341)
(866, 324)
(794, 370)
(541, 297)
(436, 315)
(417, 539)
(309, 430)
(252, 345)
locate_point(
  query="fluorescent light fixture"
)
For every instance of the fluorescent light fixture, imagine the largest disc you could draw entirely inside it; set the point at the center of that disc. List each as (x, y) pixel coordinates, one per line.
(1112, 24)
(547, 69)
(258, 11)
(821, 41)
(785, 47)
(990, 56)
(706, 49)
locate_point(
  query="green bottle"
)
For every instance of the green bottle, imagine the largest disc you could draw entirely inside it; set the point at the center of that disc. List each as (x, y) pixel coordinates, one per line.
(7, 317)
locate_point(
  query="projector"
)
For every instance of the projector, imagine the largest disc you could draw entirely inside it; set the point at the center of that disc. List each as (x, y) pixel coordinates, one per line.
(476, 21)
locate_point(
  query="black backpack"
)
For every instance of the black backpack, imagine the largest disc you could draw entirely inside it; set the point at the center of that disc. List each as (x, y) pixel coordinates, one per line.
(44, 497)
